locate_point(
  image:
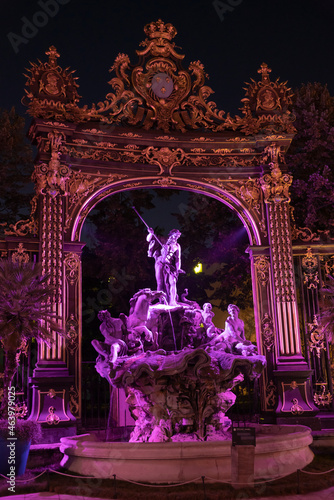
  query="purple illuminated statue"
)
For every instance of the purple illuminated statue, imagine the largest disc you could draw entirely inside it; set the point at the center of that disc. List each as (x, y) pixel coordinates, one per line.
(177, 368)
(167, 257)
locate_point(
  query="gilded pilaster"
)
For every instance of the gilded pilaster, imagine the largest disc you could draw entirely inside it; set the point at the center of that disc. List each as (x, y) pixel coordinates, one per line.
(275, 187)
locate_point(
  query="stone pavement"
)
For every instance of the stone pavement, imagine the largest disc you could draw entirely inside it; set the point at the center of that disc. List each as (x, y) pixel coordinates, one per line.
(316, 495)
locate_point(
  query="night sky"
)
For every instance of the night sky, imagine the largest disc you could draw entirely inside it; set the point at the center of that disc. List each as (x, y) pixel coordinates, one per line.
(294, 37)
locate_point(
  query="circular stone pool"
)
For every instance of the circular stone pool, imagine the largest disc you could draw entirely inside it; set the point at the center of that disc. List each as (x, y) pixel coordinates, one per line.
(280, 450)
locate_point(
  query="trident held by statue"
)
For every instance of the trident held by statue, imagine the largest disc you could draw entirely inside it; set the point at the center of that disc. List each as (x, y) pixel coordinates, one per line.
(148, 228)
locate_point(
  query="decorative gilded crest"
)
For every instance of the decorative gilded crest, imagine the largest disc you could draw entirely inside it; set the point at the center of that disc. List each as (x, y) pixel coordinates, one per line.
(157, 93)
(266, 104)
(52, 91)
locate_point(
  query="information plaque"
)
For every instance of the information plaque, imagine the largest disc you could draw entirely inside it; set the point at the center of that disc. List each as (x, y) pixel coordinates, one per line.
(243, 436)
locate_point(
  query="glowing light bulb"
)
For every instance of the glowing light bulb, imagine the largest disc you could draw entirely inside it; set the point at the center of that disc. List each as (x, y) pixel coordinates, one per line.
(198, 268)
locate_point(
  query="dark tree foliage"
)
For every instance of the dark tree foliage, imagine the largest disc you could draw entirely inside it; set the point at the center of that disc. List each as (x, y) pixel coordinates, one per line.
(25, 314)
(16, 167)
(213, 235)
(310, 157)
(115, 262)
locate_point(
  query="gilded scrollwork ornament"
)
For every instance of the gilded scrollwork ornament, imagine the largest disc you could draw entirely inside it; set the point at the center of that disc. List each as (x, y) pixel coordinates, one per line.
(271, 395)
(72, 334)
(329, 266)
(276, 185)
(25, 227)
(51, 177)
(317, 340)
(262, 267)
(72, 267)
(74, 401)
(321, 397)
(165, 182)
(20, 256)
(250, 191)
(52, 417)
(267, 328)
(310, 269)
(165, 158)
(272, 154)
(296, 408)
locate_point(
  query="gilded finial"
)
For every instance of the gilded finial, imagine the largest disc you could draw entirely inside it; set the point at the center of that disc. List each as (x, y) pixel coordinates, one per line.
(264, 71)
(53, 56)
(159, 29)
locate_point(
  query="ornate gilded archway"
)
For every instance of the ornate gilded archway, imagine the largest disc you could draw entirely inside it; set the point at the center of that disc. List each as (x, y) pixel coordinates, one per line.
(157, 128)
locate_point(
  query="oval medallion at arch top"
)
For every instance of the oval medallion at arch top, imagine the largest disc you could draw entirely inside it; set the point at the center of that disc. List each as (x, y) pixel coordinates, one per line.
(77, 219)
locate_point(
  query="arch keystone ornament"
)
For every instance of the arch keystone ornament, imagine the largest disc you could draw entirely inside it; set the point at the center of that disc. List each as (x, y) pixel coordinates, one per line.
(158, 128)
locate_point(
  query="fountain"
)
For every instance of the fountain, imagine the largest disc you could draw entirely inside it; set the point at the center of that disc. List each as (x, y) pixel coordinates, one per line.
(178, 371)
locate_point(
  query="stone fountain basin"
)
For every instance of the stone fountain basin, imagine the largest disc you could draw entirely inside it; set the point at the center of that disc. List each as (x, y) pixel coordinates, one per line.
(280, 450)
